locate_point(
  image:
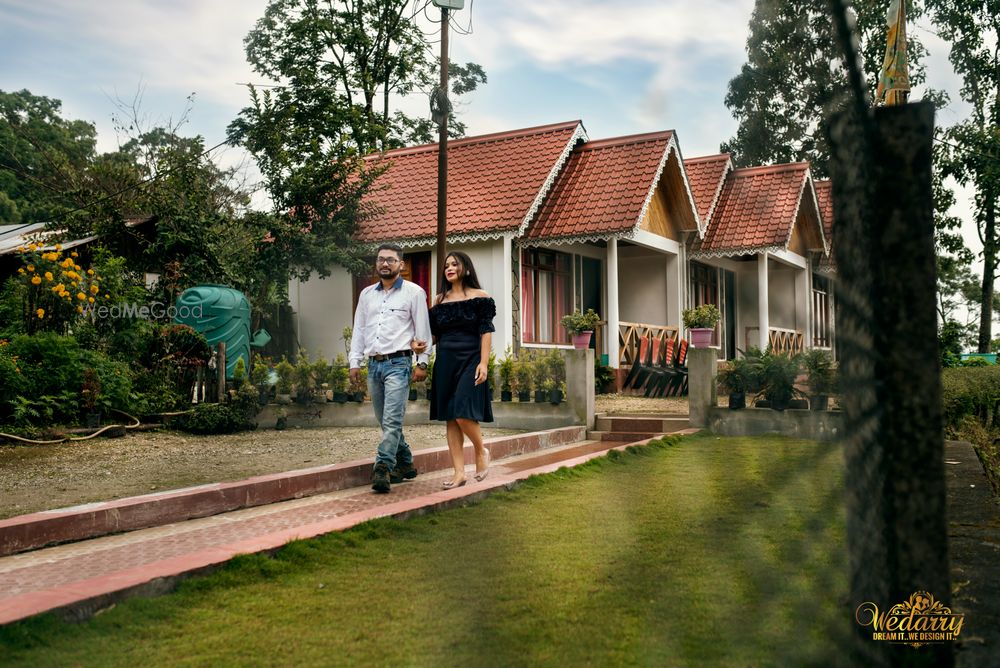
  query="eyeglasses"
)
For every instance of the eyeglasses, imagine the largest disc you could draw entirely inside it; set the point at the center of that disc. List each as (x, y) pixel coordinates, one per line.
(386, 260)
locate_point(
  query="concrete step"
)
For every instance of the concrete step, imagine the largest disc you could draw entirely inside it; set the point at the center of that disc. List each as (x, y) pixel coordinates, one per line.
(652, 423)
(622, 436)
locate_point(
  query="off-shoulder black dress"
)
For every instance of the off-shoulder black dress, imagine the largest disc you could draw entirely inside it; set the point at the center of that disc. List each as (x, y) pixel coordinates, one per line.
(459, 328)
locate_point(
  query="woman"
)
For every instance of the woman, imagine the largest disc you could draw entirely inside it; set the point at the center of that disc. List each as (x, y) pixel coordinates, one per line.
(462, 325)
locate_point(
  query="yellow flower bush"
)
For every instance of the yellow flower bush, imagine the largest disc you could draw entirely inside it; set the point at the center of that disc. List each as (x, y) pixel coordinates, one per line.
(54, 307)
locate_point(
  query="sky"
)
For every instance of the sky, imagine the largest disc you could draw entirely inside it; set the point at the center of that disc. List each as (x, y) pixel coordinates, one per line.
(620, 67)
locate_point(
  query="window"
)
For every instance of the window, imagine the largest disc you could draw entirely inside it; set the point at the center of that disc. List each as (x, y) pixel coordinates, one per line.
(546, 295)
(704, 284)
(821, 312)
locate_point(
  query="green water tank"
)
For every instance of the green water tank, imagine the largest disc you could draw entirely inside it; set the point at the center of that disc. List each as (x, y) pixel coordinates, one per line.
(221, 314)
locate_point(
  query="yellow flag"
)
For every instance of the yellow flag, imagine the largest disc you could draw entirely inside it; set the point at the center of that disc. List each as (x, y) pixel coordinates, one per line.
(894, 80)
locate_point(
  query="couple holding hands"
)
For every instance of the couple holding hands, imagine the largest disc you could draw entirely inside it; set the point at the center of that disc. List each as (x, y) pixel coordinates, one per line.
(392, 325)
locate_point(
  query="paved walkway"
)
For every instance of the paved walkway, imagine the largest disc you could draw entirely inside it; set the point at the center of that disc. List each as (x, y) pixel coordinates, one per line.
(77, 579)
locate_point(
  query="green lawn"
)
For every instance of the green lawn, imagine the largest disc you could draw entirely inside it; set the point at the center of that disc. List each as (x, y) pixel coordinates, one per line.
(703, 551)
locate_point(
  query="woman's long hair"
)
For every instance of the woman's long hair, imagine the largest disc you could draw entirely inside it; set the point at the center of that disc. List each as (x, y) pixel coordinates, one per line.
(469, 278)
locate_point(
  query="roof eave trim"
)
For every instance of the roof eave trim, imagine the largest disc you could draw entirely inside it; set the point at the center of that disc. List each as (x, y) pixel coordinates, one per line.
(733, 252)
(578, 134)
(452, 238)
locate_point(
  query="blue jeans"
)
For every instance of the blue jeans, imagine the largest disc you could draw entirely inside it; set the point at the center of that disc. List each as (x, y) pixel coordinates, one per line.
(389, 386)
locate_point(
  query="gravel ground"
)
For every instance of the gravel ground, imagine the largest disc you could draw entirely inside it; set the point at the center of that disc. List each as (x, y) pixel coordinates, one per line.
(41, 477)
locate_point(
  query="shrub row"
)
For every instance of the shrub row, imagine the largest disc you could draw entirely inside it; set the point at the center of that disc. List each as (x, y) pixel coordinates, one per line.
(970, 391)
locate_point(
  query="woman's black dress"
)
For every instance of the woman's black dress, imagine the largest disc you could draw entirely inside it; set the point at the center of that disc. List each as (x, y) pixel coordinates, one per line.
(459, 328)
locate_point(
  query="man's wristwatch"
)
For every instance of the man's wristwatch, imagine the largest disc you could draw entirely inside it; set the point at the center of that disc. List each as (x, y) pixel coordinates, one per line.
(422, 365)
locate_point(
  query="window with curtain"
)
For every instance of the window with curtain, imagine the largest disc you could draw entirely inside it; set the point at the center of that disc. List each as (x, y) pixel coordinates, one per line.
(546, 294)
(704, 284)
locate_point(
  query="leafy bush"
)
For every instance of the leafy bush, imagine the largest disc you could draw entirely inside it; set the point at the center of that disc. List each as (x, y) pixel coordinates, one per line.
(210, 419)
(603, 376)
(971, 391)
(975, 361)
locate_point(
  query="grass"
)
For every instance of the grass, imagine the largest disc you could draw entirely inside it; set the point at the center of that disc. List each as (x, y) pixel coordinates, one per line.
(700, 551)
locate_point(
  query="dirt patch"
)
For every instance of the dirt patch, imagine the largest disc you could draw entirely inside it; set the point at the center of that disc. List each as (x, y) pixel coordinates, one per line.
(623, 403)
(42, 477)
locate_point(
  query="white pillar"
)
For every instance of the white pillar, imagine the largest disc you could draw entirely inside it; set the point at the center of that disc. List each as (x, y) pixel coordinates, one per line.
(674, 290)
(612, 318)
(507, 286)
(762, 302)
(802, 308)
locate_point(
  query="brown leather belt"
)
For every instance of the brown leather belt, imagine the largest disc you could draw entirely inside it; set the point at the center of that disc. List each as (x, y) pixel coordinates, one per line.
(389, 356)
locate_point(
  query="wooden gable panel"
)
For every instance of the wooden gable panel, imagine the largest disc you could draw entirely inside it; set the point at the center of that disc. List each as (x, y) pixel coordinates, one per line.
(805, 233)
(658, 219)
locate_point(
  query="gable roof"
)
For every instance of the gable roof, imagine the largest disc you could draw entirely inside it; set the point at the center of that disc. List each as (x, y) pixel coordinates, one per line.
(707, 175)
(496, 184)
(757, 210)
(605, 188)
(824, 198)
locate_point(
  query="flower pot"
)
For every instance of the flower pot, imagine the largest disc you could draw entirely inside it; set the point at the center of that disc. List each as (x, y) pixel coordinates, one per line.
(328, 395)
(413, 395)
(358, 397)
(800, 404)
(819, 402)
(93, 420)
(581, 341)
(281, 423)
(524, 397)
(779, 403)
(541, 396)
(506, 395)
(262, 396)
(701, 337)
(737, 400)
(340, 397)
(283, 398)
(555, 396)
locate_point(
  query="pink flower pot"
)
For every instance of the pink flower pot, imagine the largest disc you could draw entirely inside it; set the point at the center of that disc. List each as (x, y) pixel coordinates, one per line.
(581, 341)
(701, 337)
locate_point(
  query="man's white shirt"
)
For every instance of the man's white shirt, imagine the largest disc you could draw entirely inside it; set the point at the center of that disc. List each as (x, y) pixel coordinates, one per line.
(388, 320)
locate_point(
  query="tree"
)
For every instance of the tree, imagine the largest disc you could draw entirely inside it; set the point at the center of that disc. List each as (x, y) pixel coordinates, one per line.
(791, 80)
(340, 63)
(972, 27)
(43, 158)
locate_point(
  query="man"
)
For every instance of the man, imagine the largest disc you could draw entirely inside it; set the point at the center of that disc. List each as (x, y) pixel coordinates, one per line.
(391, 314)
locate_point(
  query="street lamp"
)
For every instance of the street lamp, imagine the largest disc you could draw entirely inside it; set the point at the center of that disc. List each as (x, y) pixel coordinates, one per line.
(443, 106)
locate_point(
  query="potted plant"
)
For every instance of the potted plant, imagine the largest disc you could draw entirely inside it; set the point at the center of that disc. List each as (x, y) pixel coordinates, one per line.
(737, 379)
(286, 374)
(580, 327)
(303, 378)
(539, 374)
(347, 334)
(822, 377)
(491, 370)
(260, 373)
(506, 369)
(359, 388)
(89, 395)
(701, 322)
(556, 364)
(430, 373)
(322, 373)
(778, 372)
(339, 378)
(522, 376)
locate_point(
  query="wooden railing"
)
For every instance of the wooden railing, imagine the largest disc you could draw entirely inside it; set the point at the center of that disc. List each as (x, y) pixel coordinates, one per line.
(629, 335)
(781, 340)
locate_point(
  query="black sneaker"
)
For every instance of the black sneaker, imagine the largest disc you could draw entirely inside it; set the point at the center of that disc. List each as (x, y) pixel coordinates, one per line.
(402, 473)
(380, 479)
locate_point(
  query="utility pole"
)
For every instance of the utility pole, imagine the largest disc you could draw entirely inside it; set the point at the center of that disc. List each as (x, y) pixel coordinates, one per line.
(439, 111)
(443, 108)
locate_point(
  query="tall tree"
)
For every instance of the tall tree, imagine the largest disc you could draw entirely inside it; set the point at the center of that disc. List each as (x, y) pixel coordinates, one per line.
(345, 62)
(791, 80)
(43, 158)
(972, 27)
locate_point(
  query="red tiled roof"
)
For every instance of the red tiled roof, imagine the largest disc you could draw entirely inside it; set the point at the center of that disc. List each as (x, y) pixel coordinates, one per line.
(707, 175)
(824, 195)
(757, 209)
(495, 183)
(604, 188)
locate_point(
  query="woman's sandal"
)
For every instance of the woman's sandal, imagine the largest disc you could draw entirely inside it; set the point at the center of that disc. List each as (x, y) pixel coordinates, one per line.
(480, 475)
(451, 484)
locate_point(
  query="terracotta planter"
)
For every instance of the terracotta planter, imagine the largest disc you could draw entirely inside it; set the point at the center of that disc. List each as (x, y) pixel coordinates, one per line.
(581, 341)
(701, 337)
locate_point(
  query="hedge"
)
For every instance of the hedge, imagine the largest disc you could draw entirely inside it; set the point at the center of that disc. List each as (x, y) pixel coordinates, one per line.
(970, 391)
